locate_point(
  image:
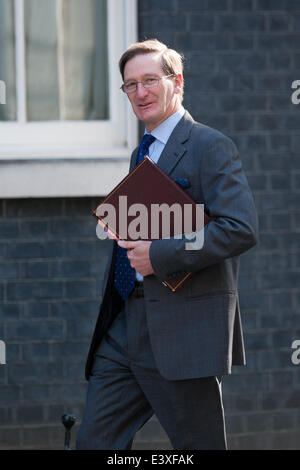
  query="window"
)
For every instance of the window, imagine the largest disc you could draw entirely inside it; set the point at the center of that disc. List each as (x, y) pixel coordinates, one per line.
(59, 61)
(59, 64)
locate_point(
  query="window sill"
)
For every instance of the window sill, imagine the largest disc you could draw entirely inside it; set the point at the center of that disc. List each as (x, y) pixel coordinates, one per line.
(61, 176)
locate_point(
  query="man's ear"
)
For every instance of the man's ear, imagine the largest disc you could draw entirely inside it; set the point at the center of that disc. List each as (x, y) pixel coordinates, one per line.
(178, 83)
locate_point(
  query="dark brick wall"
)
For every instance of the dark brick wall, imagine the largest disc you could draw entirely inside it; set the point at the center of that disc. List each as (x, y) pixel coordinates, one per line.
(241, 58)
(51, 270)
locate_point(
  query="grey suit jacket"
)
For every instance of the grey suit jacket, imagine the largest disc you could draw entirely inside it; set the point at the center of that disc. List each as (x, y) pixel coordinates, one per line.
(196, 331)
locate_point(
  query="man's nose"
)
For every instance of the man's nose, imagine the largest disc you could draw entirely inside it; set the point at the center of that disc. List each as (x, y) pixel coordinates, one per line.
(141, 90)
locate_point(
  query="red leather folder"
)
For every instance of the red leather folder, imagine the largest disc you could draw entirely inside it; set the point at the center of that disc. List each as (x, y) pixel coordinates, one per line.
(150, 186)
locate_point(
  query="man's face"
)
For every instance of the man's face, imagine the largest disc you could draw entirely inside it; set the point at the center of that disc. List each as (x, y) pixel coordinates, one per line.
(152, 105)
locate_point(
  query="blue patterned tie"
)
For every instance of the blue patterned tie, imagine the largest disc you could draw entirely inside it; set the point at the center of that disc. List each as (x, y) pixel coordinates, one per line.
(124, 274)
(146, 141)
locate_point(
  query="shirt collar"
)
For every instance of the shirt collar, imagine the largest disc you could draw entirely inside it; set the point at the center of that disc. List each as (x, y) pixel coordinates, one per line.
(165, 129)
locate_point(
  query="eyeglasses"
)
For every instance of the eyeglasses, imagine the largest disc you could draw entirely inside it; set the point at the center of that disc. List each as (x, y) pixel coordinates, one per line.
(150, 82)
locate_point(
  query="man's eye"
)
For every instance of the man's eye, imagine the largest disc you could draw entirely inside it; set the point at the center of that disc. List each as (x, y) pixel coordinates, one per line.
(150, 80)
(130, 84)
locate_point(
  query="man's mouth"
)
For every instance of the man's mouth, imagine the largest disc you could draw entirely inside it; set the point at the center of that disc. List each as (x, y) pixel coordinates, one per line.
(144, 105)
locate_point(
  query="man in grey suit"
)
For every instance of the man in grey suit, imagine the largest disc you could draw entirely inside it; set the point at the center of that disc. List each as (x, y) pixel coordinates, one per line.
(153, 350)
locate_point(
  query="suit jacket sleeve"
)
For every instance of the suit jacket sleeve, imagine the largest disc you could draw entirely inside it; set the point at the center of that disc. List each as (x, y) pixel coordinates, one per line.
(228, 200)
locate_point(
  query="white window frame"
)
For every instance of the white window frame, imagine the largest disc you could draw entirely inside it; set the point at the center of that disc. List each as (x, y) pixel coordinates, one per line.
(28, 150)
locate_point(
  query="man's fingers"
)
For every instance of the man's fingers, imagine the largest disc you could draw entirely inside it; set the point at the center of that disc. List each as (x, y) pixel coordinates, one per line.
(127, 245)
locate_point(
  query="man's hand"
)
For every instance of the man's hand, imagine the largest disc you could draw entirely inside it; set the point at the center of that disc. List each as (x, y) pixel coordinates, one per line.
(138, 255)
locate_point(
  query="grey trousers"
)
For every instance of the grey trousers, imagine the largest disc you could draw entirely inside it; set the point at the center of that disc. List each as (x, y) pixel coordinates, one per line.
(125, 389)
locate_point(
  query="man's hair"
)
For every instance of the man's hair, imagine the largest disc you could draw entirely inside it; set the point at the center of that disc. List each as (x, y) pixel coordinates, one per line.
(172, 61)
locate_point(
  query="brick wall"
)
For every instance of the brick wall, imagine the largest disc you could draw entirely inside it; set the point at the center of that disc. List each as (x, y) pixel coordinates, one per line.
(241, 58)
(51, 269)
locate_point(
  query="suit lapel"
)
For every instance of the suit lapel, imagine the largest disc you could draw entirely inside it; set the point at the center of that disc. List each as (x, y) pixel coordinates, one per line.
(175, 149)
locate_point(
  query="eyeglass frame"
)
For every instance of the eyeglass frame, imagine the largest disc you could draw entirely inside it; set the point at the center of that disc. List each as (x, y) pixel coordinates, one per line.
(142, 82)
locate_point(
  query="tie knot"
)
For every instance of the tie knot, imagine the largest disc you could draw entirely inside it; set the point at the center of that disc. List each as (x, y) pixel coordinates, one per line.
(146, 141)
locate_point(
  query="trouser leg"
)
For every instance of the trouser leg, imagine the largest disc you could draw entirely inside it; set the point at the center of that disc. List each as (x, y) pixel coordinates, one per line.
(190, 411)
(116, 406)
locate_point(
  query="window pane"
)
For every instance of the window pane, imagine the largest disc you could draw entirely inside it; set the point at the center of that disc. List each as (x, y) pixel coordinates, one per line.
(7, 60)
(84, 81)
(66, 60)
(41, 60)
